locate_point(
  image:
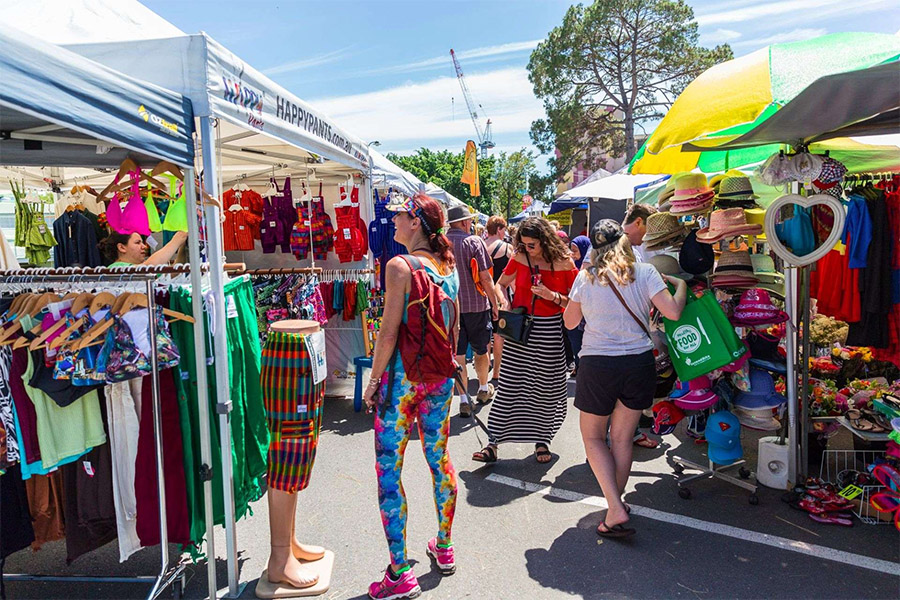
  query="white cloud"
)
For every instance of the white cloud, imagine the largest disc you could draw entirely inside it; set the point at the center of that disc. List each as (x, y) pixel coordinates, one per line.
(801, 10)
(421, 112)
(720, 36)
(794, 35)
(315, 61)
(475, 56)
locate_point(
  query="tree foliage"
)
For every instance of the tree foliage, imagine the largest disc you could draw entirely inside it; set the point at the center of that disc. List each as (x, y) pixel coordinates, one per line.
(608, 69)
(502, 177)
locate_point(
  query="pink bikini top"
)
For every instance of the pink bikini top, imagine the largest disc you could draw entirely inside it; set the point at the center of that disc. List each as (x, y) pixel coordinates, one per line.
(133, 218)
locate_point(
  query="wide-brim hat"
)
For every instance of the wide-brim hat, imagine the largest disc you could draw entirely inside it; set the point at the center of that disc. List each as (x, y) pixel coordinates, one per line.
(755, 308)
(662, 227)
(697, 400)
(734, 269)
(735, 188)
(668, 265)
(733, 281)
(755, 421)
(692, 206)
(724, 223)
(690, 185)
(457, 213)
(694, 257)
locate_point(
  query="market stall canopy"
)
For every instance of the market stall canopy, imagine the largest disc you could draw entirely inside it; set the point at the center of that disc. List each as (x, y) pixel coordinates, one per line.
(59, 108)
(736, 96)
(259, 122)
(388, 174)
(620, 186)
(438, 193)
(864, 102)
(537, 208)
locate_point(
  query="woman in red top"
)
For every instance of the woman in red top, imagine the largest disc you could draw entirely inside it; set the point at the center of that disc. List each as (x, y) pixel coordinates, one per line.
(530, 405)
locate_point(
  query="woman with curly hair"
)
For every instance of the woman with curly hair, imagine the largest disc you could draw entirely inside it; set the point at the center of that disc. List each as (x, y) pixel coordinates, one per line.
(402, 404)
(530, 405)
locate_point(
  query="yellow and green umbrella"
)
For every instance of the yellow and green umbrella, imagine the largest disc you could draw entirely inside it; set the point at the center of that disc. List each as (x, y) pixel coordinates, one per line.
(736, 96)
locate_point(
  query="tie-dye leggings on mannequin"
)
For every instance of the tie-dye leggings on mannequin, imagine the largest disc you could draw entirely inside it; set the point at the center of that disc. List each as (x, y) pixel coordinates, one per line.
(429, 405)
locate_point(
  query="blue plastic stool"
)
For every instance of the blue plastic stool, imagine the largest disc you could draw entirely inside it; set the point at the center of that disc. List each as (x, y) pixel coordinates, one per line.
(361, 362)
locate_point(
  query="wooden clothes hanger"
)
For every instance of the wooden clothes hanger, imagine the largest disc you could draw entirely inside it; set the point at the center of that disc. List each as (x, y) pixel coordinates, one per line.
(165, 166)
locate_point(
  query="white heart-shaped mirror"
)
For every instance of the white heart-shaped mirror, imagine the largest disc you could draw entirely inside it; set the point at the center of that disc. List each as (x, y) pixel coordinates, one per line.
(778, 245)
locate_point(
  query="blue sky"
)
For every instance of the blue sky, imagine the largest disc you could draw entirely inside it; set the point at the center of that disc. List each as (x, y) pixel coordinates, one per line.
(382, 68)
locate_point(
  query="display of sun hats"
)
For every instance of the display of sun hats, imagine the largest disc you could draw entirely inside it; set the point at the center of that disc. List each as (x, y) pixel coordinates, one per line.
(727, 223)
(666, 417)
(734, 269)
(663, 229)
(723, 438)
(764, 352)
(663, 199)
(694, 257)
(757, 216)
(755, 308)
(696, 394)
(668, 265)
(762, 392)
(692, 194)
(735, 191)
(769, 279)
(759, 420)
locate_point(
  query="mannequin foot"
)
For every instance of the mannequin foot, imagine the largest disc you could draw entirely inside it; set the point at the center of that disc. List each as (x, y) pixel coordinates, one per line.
(307, 552)
(284, 569)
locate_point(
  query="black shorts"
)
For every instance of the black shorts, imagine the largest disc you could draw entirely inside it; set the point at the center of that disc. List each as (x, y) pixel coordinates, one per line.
(474, 330)
(602, 380)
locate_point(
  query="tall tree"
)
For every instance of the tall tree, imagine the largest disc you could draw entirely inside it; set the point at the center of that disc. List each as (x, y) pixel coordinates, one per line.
(444, 168)
(609, 68)
(514, 173)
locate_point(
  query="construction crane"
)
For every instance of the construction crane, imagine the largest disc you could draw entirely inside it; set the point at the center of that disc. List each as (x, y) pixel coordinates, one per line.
(485, 138)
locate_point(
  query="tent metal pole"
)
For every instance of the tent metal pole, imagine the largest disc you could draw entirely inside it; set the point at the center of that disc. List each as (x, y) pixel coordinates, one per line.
(216, 255)
(790, 304)
(804, 372)
(200, 359)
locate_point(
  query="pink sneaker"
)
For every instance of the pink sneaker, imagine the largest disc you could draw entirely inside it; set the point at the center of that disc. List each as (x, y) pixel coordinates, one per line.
(442, 556)
(406, 586)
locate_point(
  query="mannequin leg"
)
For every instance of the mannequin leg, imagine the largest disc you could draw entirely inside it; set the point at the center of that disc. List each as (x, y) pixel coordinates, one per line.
(283, 567)
(306, 552)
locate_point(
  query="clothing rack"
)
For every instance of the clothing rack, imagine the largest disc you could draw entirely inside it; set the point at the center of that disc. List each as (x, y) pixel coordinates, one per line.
(168, 575)
(285, 271)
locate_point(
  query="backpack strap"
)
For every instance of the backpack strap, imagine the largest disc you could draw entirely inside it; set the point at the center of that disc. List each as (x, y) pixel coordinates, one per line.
(414, 262)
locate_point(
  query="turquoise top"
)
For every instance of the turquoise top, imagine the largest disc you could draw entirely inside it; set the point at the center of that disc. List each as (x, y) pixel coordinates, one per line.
(449, 283)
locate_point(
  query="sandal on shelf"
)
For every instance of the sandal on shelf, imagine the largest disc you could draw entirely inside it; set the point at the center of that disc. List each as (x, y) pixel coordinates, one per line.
(542, 453)
(857, 422)
(488, 454)
(615, 531)
(841, 519)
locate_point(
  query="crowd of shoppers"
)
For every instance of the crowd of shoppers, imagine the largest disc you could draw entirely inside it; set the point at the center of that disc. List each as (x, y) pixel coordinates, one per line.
(595, 289)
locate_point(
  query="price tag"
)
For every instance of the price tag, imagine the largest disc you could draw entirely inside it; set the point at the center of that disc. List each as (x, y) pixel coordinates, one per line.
(241, 227)
(347, 234)
(315, 345)
(306, 223)
(850, 492)
(42, 229)
(231, 307)
(271, 223)
(151, 241)
(383, 221)
(301, 408)
(88, 468)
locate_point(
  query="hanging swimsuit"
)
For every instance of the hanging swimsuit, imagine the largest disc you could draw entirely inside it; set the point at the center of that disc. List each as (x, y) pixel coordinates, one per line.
(152, 213)
(133, 218)
(176, 214)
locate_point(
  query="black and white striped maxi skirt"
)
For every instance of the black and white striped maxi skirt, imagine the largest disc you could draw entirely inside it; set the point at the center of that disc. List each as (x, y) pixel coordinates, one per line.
(530, 406)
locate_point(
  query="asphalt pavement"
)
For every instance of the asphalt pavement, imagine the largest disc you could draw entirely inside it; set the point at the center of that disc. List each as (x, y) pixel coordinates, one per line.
(526, 530)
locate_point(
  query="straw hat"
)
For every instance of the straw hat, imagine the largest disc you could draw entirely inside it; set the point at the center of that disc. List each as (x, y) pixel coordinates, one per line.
(729, 222)
(690, 186)
(734, 269)
(736, 191)
(665, 194)
(715, 180)
(662, 229)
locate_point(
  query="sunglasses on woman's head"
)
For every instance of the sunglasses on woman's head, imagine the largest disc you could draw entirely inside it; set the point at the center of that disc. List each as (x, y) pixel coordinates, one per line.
(531, 245)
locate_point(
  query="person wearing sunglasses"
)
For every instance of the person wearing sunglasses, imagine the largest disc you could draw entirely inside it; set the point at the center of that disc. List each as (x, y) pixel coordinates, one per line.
(530, 405)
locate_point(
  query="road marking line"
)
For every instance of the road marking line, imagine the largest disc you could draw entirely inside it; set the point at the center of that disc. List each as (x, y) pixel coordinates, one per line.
(814, 550)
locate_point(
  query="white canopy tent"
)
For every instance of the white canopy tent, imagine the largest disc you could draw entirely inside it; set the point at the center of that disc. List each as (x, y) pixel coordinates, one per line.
(619, 186)
(250, 127)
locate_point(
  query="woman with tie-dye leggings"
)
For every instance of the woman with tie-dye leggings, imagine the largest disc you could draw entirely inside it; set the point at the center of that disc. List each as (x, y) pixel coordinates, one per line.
(400, 404)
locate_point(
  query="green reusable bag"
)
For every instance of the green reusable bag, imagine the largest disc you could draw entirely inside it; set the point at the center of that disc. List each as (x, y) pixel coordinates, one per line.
(702, 340)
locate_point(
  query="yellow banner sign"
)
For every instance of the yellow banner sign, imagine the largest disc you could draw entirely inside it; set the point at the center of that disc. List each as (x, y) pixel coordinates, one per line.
(564, 217)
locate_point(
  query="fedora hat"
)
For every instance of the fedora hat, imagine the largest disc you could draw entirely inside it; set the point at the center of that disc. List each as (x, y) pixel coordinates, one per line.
(690, 185)
(668, 265)
(764, 269)
(715, 180)
(729, 222)
(735, 187)
(663, 227)
(734, 269)
(457, 213)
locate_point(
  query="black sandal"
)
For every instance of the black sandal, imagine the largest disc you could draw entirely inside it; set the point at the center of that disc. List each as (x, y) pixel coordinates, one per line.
(541, 450)
(616, 531)
(488, 454)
